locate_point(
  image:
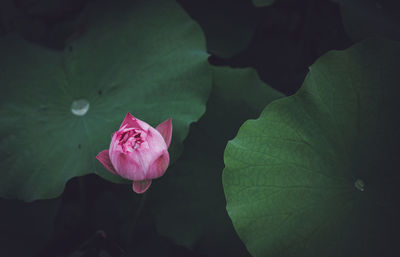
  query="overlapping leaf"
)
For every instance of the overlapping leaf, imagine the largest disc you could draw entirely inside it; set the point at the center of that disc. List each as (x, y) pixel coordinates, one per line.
(314, 175)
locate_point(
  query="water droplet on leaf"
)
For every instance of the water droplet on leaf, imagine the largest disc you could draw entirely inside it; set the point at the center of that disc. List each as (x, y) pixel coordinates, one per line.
(80, 107)
(359, 184)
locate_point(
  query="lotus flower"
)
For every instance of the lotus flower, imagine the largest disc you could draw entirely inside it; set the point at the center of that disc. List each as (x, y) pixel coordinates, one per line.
(138, 152)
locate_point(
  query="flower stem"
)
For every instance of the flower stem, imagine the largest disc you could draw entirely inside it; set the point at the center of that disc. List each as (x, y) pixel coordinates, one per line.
(134, 222)
(139, 210)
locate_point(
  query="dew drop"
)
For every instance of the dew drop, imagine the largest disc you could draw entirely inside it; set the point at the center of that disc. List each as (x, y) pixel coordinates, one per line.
(80, 107)
(359, 184)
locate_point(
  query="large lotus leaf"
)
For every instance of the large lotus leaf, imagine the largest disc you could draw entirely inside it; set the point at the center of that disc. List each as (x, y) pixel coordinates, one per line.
(26, 227)
(367, 18)
(191, 209)
(143, 57)
(317, 173)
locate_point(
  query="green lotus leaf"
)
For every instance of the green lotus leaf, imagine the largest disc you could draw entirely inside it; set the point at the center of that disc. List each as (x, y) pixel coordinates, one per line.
(143, 57)
(316, 174)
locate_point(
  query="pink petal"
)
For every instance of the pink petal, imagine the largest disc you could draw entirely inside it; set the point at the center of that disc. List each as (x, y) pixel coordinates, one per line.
(129, 166)
(165, 130)
(104, 158)
(159, 166)
(133, 122)
(140, 186)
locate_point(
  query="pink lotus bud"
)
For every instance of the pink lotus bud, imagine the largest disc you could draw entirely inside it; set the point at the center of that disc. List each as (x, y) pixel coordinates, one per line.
(138, 152)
